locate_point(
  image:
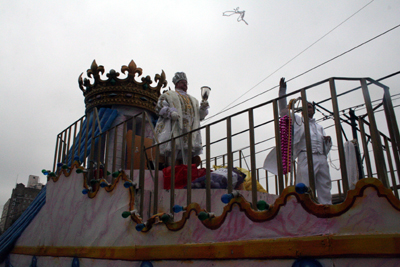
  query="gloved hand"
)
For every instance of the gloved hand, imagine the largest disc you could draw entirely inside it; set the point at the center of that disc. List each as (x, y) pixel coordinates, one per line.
(327, 139)
(204, 104)
(174, 116)
(282, 87)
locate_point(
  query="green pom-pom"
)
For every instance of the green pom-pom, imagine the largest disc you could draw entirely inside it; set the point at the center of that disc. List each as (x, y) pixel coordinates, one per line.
(126, 214)
(262, 205)
(203, 216)
(115, 174)
(165, 218)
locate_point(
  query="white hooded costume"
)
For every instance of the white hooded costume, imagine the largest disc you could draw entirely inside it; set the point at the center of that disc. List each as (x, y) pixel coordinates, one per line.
(320, 150)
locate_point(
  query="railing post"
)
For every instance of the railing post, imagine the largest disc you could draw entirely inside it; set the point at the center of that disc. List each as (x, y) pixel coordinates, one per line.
(133, 148)
(55, 152)
(98, 157)
(278, 147)
(80, 138)
(229, 152)
(339, 190)
(376, 140)
(389, 158)
(240, 158)
(294, 170)
(310, 161)
(114, 159)
(365, 148)
(123, 150)
(189, 170)
(253, 160)
(392, 127)
(156, 166)
(92, 143)
(353, 119)
(172, 190)
(68, 146)
(64, 147)
(142, 165)
(85, 163)
(208, 167)
(74, 143)
(342, 159)
(107, 139)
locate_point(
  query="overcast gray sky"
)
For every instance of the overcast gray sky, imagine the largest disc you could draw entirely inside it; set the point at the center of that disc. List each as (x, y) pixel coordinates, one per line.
(45, 45)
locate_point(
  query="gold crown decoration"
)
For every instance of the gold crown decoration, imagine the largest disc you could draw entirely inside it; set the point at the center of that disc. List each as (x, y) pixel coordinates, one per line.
(116, 91)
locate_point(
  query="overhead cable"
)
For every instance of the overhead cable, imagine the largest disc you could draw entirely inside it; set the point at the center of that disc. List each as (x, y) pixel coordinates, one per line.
(294, 56)
(295, 77)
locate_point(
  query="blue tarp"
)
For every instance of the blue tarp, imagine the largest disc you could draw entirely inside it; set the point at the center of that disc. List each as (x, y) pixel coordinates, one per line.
(106, 118)
(9, 238)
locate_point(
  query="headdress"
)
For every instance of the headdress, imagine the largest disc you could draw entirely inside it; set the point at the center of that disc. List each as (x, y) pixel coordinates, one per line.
(178, 77)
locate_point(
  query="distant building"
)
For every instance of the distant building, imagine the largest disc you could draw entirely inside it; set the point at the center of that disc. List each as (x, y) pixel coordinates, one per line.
(33, 182)
(21, 198)
(3, 216)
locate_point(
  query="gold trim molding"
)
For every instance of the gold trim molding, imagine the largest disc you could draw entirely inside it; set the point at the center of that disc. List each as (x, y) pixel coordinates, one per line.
(357, 246)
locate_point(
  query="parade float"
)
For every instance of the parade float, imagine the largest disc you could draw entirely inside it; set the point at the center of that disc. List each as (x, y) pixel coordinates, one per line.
(111, 200)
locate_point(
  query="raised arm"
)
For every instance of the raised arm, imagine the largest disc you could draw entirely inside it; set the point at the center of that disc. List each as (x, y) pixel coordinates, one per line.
(204, 106)
(282, 103)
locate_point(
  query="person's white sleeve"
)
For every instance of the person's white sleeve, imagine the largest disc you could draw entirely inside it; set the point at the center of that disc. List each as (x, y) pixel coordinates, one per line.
(164, 110)
(203, 111)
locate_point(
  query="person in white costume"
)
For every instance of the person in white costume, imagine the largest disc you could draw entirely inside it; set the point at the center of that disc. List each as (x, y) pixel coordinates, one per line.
(179, 113)
(320, 144)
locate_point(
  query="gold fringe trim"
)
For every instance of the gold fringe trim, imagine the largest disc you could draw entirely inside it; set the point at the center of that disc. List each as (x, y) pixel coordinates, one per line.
(357, 246)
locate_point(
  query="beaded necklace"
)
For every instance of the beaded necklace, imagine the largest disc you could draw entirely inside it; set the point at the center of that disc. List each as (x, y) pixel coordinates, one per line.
(186, 100)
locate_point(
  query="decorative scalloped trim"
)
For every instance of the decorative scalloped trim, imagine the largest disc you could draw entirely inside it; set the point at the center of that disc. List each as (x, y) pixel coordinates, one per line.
(305, 200)
(320, 211)
(109, 188)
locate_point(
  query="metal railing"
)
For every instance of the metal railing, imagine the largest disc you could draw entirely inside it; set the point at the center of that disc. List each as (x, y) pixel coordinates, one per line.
(245, 137)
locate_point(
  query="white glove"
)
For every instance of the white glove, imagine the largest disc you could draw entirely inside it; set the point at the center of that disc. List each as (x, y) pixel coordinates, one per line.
(282, 87)
(204, 104)
(174, 116)
(282, 103)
